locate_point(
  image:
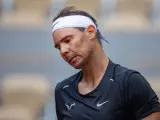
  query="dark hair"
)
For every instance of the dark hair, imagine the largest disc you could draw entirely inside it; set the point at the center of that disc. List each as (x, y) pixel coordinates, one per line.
(67, 11)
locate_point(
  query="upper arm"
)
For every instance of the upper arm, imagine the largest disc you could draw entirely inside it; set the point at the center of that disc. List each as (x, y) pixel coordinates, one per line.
(141, 98)
(153, 116)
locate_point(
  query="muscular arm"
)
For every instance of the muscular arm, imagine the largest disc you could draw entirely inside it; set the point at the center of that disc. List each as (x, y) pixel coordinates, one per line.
(153, 116)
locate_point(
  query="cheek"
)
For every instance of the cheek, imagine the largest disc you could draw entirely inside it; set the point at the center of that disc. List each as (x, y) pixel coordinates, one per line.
(82, 50)
(79, 46)
(81, 42)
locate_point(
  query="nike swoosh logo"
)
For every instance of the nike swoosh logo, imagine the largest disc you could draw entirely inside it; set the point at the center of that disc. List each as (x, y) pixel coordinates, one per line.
(100, 104)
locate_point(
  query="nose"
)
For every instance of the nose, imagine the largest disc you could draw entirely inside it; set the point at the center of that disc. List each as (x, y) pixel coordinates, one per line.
(64, 49)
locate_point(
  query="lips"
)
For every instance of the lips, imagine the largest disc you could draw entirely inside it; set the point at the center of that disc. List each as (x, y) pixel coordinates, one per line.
(71, 59)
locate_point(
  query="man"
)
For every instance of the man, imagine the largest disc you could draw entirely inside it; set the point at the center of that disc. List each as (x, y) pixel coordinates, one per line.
(101, 90)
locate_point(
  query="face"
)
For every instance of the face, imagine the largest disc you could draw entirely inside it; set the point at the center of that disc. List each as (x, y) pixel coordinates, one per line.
(75, 46)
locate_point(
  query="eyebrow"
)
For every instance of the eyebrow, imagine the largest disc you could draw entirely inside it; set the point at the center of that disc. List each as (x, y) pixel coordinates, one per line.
(56, 45)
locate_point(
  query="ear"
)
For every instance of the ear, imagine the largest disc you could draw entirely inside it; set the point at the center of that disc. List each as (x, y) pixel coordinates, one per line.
(91, 31)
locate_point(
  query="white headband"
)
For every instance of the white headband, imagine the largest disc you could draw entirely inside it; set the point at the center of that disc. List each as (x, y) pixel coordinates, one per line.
(72, 21)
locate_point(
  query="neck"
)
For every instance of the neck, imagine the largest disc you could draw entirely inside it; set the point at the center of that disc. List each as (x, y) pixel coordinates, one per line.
(95, 68)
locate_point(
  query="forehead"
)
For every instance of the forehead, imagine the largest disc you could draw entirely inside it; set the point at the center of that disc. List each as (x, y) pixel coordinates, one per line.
(64, 32)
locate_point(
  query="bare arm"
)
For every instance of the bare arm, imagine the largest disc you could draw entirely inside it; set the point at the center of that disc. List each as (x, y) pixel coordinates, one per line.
(153, 116)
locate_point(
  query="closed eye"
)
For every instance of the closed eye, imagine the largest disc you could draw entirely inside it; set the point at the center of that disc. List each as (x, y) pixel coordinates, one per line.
(57, 46)
(67, 40)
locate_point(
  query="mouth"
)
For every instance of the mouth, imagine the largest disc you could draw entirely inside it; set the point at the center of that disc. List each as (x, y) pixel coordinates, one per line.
(71, 59)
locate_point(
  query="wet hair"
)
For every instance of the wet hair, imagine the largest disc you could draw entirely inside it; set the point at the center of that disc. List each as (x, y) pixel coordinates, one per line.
(68, 11)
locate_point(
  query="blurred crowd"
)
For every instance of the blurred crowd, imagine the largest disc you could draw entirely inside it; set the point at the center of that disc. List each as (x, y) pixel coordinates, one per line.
(113, 15)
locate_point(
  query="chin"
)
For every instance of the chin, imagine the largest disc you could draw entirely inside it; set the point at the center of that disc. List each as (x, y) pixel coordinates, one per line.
(78, 65)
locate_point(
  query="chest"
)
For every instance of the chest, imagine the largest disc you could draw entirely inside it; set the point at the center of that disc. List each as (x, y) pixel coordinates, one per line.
(102, 108)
